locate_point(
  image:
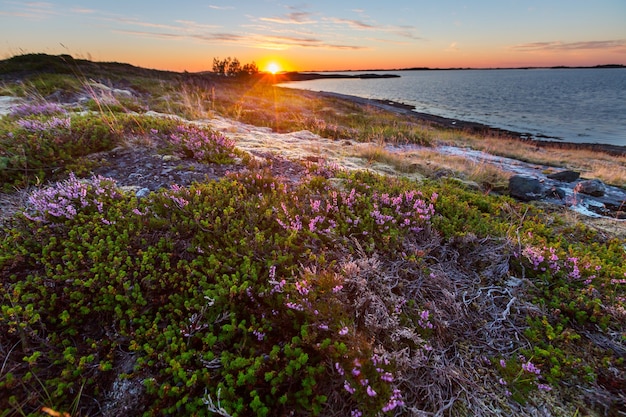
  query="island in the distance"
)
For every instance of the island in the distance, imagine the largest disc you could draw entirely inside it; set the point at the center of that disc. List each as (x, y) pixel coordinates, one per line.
(306, 76)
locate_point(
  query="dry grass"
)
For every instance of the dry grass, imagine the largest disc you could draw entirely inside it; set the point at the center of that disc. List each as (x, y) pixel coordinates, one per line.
(11, 203)
(592, 164)
(260, 103)
(433, 164)
(287, 110)
(479, 313)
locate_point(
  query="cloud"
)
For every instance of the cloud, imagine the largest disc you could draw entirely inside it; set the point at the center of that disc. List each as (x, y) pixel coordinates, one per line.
(569, 46)
(248, 40)
(284, 42)
(137, 22)
(155, 35)
(354, 24)
(402, 31)
(214, 37)
(82, 10)
(294, 18)
(195, 26)
(405, 32)
(211, 6)
(30, 10)
(38, 4)
(453, 47)
(219, 37)
(180, 26)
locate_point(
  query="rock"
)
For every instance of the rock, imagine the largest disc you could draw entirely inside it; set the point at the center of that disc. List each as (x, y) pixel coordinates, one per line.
(144, 192)
(109, 90)
(555, 192)
(443, 173)
(525, 188)
(7, 103)
(595, 188)
(170, 158)
(565, 176)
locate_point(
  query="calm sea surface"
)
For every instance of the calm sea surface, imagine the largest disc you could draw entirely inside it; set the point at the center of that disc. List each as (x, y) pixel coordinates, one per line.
(571, 105)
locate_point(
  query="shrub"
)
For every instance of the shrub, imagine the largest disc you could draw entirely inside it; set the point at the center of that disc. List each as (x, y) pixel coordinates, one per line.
(36, 147)
(202, 284)
(202, 144)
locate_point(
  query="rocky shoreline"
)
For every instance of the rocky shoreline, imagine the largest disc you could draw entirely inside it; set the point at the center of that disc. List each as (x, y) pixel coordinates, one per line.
(478, 128)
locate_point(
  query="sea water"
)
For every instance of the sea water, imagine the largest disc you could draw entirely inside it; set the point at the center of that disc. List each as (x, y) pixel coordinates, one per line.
(582, 105)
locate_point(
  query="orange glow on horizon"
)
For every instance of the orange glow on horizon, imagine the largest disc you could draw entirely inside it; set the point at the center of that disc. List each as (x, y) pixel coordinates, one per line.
(188, 60)
(274, 64)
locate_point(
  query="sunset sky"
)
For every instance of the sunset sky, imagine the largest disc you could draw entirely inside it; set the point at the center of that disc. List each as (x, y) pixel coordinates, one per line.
(322, 34)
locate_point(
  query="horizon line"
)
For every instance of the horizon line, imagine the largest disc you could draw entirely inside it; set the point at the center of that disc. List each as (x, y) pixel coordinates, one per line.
(418, 68)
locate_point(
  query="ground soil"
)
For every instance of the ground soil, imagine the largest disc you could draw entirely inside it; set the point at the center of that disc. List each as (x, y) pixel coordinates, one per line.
(141, 166)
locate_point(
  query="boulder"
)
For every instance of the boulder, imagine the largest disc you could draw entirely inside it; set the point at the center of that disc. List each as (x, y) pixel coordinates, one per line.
(525, 188)
(555, 192)
(595, 188)
(143, 193)
(565, 176)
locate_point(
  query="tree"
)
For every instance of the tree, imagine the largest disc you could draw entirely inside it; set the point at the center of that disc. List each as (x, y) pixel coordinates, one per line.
(219, 67)
(234, 67)
(251, 68)
(231, 67)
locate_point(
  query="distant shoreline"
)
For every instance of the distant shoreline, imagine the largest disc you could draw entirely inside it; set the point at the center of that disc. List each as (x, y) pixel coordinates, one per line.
(308, 76)
(603, 66)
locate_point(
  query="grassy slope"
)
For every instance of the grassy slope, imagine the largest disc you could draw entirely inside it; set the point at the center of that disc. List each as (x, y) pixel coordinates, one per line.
(324, 296)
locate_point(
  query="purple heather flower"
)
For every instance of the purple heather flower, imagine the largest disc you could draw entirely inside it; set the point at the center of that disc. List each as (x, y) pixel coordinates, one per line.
(348, 387)
(394, 401)
(339, 369)
(37, 109)
(294, 306)
(387, 377)
(531, 368)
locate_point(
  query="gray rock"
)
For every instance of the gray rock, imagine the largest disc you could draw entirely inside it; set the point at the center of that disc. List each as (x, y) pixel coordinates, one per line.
(565, 176)
(170, 158)
(595, 188)
(525, 188)
(142, 193)
(555, 192)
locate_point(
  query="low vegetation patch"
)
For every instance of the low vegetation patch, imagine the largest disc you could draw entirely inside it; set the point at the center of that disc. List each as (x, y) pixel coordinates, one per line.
(331, 293)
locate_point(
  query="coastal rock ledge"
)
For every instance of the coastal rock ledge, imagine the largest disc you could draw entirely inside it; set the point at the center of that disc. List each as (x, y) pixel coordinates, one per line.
(590, 197)
(525, 188)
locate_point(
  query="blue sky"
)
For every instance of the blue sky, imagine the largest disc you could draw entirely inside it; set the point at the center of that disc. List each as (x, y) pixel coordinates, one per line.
(321, 35)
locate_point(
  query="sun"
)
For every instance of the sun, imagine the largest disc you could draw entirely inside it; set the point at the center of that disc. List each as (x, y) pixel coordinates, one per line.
(273, 67)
